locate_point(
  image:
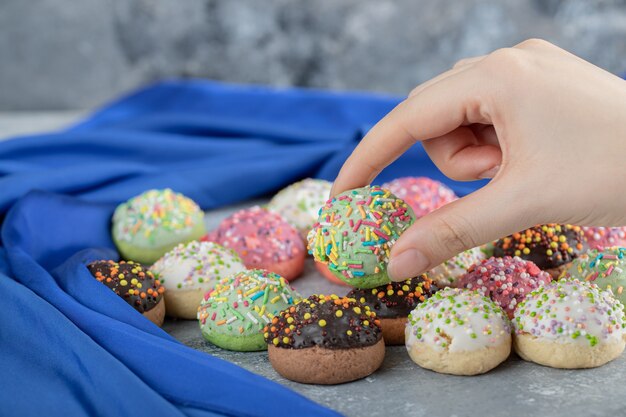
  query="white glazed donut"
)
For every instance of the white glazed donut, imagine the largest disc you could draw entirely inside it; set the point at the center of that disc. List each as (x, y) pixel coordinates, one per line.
(458, 332)
(300, 203)
(189, 270)
(447, 273)
(569, 324)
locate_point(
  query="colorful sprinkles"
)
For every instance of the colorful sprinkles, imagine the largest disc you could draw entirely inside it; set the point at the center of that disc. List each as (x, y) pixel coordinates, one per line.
(605, 237)
(355, 233)
(300, 202)
(447, 273)
(455, 319)
(606, 268)
(421, 193)
(244, 303)
(196, 265)
(130, 281)
(328, 321)
(396, 299)
(155, 210)
(571, 311)
(549, 246)
(261, 237)
(505, 280)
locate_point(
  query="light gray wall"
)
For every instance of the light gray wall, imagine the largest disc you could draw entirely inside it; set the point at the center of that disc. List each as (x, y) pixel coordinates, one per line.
(63, 54)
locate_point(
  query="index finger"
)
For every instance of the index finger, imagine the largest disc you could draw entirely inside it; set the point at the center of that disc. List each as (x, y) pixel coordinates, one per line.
(436, 110)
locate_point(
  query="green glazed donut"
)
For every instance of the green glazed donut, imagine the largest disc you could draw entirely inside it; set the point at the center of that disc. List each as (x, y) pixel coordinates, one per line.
(151, 224)
(355, 232)
(233, 314)
(605, 268)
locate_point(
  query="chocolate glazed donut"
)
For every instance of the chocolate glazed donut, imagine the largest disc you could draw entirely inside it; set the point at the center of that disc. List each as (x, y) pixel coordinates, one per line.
(393, 302)
(325, 339)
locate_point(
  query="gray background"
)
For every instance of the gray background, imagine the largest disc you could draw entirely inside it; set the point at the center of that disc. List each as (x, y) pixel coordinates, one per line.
(67, 54)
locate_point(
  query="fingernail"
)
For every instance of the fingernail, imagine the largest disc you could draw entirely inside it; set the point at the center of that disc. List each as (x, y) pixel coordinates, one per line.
(407, 264)
(490, 173)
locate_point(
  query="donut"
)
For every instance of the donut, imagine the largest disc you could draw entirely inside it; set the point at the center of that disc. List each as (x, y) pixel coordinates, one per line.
(569, 324)
(322, 268)
(605, 237)
(505, 280)
(605, 268)
(191, 269)
(264, 240)
(393, 302)
(300, 202)
(152, 223)
(552, 247)
(458, 332)
(134, 284)
(355, 232)
(325, 339)
(447, 273)
(421, 193)
(233, 314)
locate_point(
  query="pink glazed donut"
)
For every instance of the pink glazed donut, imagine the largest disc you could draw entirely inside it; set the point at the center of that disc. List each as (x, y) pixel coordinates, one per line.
(421, 193)
(264, 240)
(605, 237)
(507, 281)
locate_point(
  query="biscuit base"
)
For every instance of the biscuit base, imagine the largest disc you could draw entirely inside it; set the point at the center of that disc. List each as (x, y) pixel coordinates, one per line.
(556, 273)
(183, 304)
(323, 269)
(157, 313)
(566, 355)
(468, 362)
(290, 269)
(317, 365)
(393, 330)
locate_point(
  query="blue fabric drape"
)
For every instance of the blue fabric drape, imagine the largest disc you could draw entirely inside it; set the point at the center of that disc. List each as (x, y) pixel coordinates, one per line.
(68, 345)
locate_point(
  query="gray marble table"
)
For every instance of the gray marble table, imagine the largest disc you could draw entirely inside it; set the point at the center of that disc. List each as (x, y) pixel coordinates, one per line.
(401, 388)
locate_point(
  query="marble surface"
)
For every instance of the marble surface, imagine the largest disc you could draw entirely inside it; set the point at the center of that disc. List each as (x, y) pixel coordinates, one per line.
(401, 388)
(75, 54)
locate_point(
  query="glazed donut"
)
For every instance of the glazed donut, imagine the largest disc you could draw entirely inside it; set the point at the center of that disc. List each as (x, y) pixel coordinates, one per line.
(190, 270)
(552, 247)
(152, 223)
(233, 314)
(421, 193)
(355, 232)
(325, 339)
(264, 240)
(300, 202)
(569, 324)
(605, 237)
(447, 273)
(393, 302)
(507, 281)
(458, 332)
(134, 284)
(605, 268)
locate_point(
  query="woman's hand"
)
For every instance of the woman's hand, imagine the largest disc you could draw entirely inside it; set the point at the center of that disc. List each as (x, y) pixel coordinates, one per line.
(547, 126)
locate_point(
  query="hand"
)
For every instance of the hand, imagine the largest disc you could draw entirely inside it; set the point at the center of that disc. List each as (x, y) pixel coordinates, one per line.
(547, 126)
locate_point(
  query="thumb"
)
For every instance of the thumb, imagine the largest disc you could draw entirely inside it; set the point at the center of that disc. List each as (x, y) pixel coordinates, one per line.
(488, 214)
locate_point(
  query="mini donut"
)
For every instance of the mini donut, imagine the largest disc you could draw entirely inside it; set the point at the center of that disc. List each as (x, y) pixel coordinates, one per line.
(355, 232)
(325, 339)
(421, 193)
(505, 280)
(458, 332)
(233, 314)
(447, 273)
(134, 284)
(569, 324)
(605, 268)
(152, 223)
(322, 268)
(393, 302)
(300, 203)
(191, 269)
(264, 240)
(552, 247)
(605, 237)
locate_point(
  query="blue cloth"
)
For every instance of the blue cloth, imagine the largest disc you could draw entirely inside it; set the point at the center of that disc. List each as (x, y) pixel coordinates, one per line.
(68, 345)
